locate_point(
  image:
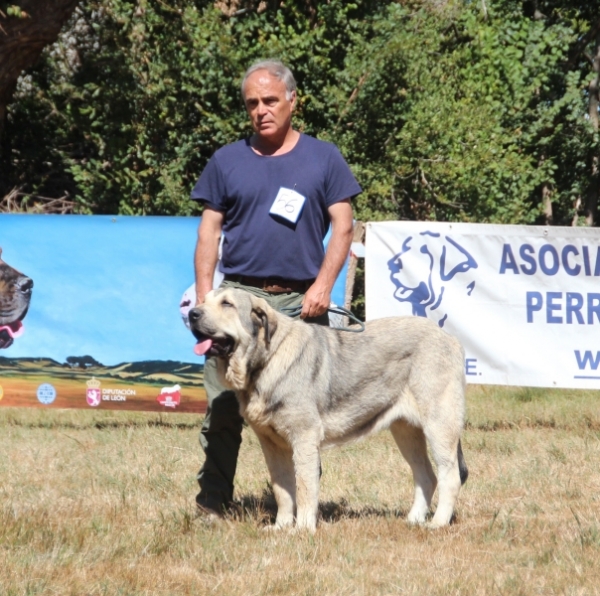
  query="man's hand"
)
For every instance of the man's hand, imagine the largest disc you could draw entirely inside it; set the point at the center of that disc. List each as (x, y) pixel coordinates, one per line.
(316, 301)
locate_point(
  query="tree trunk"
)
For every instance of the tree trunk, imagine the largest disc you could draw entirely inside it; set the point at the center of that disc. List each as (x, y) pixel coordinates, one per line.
(22, 39)
(591, 205)
(546, 197)
(547, 204)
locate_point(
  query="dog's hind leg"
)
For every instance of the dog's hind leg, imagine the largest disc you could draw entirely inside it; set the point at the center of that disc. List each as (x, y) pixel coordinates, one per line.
(412, 445)
(307, 463)
(281, 468)
(444, 449)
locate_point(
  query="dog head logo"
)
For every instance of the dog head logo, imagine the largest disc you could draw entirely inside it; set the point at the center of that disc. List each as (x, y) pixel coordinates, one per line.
(15, 295)
(426, 267)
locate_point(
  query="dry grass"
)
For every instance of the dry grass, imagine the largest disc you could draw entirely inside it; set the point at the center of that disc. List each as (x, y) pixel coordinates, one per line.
(102, 503)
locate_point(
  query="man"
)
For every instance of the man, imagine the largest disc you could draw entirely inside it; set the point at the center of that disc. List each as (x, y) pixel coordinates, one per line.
(272, 198)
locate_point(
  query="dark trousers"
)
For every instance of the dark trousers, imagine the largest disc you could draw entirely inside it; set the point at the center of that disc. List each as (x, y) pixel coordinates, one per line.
(221, 434)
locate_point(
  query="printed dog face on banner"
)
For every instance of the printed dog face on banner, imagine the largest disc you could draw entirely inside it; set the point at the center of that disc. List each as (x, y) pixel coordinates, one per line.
(15, 296)
(426, 267)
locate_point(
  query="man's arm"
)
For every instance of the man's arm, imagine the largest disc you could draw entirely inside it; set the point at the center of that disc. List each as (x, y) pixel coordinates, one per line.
(318, 297)
(207, 251)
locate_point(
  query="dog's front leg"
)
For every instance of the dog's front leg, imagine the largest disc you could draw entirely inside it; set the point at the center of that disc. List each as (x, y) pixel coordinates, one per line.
(281, 468)
(307, 467)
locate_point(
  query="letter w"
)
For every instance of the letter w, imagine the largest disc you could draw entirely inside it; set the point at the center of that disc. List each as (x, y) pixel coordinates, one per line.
(587, 359)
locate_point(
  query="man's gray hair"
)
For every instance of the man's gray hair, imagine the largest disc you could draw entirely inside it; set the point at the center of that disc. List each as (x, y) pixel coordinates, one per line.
(277, 69)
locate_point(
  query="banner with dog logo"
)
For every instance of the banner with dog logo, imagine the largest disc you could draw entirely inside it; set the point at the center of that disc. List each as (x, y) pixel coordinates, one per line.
(92, 313)
(523, 300)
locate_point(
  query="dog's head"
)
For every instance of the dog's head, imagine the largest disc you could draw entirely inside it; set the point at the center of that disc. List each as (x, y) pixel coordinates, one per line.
(15, 295)
(236, 327)
(428, 265)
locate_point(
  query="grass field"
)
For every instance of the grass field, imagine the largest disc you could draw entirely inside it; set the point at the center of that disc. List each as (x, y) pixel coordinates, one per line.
(99, 502)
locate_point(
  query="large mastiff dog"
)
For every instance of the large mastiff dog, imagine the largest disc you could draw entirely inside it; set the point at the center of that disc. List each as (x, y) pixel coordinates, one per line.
(15, 295)
(303, 387)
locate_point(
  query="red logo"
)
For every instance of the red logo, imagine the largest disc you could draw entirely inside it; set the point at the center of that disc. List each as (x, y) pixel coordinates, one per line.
(170, 397)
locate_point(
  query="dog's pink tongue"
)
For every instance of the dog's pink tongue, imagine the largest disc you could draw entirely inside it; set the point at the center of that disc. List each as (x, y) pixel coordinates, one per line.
(202, 347)
(15, 329)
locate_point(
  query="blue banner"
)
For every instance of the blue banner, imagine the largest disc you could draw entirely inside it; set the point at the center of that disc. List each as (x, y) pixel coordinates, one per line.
(102, 326)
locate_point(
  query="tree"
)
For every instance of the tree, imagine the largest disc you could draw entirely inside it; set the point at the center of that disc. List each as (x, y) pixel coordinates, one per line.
(82, 361)
(476, 113)
(26, 27)
(135, 98)
(480, 111)
(583, 56)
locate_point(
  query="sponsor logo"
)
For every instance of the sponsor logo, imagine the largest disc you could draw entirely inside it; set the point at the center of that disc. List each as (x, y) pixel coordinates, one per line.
(170, 397)
(96, 394)
(117, 394)
(93, 396)
(425, 269)
(46, 394)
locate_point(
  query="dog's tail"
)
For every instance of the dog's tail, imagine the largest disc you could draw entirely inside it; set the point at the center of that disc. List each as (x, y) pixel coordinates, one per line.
(462, 465)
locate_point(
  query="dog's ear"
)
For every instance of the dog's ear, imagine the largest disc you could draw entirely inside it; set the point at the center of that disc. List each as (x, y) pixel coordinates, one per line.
(263, 318)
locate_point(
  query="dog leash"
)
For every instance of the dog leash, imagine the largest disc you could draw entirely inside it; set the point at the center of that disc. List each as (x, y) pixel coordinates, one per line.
(294, 311)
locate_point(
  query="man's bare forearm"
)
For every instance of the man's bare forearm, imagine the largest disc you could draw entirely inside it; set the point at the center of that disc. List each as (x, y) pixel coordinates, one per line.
(207, 253)
(318, 296)
(335, 257)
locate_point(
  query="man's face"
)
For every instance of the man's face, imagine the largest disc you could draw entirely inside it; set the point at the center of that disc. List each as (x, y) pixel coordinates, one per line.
(266, 103)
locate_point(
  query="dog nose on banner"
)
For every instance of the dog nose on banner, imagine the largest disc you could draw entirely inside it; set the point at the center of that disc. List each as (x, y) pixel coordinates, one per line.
(25, 285)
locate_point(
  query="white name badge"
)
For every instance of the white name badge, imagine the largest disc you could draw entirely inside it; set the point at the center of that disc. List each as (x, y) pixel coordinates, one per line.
(288, 204)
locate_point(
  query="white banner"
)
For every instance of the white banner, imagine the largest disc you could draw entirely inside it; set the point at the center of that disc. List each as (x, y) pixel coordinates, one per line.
(523, 300)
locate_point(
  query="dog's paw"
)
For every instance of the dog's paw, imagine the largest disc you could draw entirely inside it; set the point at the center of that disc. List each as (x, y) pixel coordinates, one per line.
(306, 528)
(278, 526)
(416, 518)
(436, 525)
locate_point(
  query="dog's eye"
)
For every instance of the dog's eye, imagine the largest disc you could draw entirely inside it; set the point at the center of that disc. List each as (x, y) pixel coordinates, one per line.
(225, 303)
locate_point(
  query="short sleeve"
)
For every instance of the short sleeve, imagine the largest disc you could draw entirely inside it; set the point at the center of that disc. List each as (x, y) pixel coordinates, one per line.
(210, 188)
(340, 181)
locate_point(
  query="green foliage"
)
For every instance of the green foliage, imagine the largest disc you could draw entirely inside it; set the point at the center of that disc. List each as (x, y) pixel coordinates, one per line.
(470, 117)
(446, 112)
(153, 92)
(12, 10)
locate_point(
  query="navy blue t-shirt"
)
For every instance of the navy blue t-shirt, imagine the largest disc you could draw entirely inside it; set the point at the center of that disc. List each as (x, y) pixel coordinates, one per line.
(243, 185)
